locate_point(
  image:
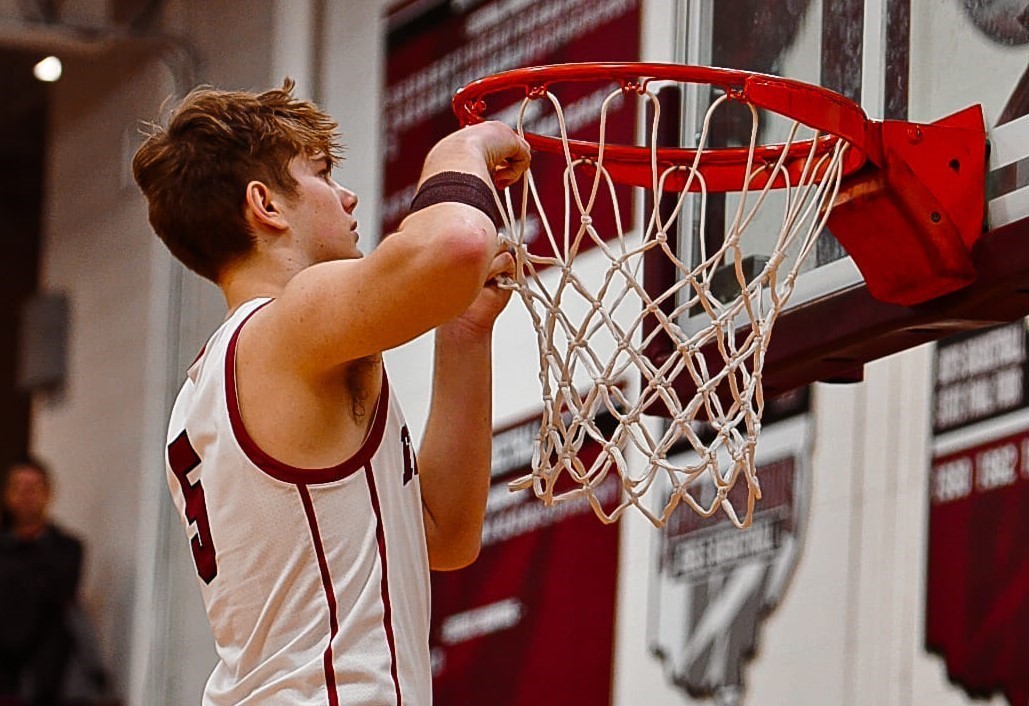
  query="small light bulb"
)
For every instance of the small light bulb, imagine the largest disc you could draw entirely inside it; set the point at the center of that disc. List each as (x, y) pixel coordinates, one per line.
(49, 69)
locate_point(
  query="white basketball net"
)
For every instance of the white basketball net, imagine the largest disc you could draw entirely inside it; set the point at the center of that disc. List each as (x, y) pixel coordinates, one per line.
(590, 331)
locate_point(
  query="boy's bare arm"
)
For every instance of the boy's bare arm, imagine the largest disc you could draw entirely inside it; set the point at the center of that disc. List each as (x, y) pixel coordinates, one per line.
(454, 458)
(425, 274)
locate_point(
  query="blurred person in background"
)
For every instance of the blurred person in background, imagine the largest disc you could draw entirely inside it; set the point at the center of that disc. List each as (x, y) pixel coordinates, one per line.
(40, 567)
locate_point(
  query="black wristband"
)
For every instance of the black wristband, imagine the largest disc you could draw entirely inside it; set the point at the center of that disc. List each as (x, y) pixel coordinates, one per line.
(458, 187)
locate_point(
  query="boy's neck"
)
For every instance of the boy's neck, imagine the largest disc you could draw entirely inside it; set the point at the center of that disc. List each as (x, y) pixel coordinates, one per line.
(244, 282)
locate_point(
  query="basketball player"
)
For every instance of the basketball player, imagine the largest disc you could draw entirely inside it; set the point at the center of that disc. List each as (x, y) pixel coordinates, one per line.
(312, 524)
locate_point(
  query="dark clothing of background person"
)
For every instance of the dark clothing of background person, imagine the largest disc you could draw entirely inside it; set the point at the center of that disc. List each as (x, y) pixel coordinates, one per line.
(39, 580)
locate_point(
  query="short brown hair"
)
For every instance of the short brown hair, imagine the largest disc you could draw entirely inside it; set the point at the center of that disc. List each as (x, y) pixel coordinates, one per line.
(194, 172)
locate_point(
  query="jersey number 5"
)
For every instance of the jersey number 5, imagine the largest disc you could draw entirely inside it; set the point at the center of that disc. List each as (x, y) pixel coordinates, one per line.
(183, 458)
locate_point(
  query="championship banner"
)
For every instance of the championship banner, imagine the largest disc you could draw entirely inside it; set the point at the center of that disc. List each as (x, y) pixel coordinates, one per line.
(715, 583)
(436, 46)
(531, 622)
(980, 376)
(977, 592)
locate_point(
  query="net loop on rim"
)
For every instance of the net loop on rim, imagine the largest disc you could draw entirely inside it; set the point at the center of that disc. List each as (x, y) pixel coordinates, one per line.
(594, 322)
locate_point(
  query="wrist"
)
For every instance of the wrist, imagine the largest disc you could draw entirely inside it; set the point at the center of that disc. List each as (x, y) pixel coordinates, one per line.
(462, 332)
(458, 187)
(455, 154)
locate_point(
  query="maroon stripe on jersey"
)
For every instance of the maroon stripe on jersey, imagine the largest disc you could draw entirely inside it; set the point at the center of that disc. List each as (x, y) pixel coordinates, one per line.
(283, 471)
(330, 593)
(387, 608)
(199, 356)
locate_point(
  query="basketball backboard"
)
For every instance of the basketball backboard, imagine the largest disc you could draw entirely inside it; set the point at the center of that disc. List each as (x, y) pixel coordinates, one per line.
(915, 60)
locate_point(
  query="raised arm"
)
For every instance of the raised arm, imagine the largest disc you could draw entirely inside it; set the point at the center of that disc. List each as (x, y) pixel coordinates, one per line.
(423, 275)
(454, 458)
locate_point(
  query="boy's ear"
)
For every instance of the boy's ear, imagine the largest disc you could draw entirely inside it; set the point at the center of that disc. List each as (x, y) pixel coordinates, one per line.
(263, 207)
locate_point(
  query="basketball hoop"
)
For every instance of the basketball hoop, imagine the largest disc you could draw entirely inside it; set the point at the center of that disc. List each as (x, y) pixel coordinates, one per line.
(593, 330)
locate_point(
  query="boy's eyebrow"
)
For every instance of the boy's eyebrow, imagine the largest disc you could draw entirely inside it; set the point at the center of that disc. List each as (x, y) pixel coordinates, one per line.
(323, 159)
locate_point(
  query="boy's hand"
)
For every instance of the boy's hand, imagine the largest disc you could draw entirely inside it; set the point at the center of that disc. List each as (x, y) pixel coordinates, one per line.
(491, 150)
(479, 317)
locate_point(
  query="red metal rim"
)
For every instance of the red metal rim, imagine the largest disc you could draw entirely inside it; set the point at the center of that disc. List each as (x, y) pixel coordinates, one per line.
(811, 105)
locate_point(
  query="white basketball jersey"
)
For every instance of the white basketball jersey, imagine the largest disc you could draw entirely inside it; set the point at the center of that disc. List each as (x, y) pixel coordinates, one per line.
(316, 582)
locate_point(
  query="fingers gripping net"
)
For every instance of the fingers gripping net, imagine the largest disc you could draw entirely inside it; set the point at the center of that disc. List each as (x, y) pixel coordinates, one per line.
(591, 331)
